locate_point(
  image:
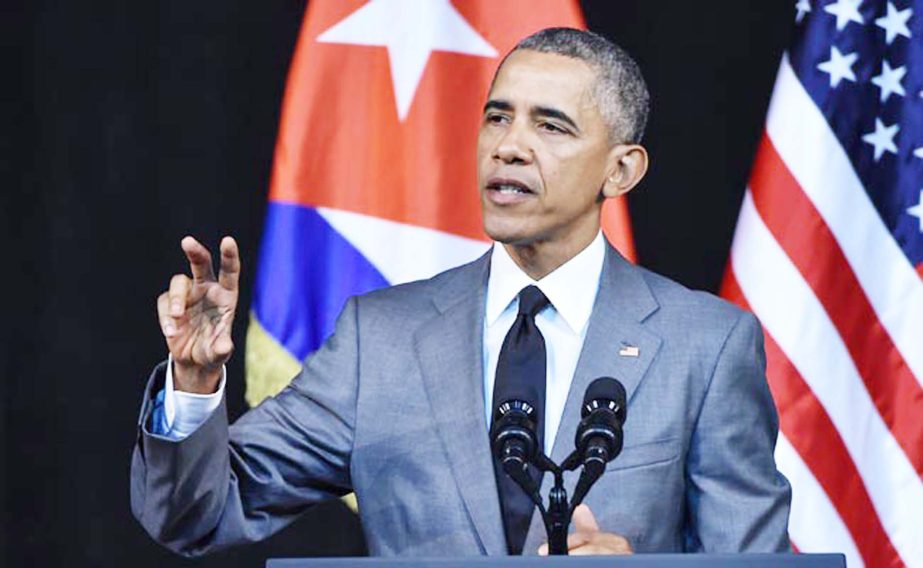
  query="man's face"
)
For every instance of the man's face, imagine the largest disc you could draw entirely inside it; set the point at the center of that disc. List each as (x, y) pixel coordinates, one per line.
(543, 152)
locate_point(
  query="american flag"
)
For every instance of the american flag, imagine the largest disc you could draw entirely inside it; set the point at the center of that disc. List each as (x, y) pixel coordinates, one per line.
(828, 253)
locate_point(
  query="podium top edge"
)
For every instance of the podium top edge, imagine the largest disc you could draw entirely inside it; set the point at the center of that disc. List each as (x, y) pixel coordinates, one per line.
(832, 560)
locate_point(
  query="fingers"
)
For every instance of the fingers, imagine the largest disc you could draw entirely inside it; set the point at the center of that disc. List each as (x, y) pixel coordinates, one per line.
(167, 324)
(229, 274)
(576, 539)
(180, 285)
(588, 539)
(200, 260)
(585, 526)
(584, 520)
(601, 543)
(223, 346)
(171, 305)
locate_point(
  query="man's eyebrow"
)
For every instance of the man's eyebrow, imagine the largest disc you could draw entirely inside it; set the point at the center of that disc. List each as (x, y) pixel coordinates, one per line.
(539, 111)
(497, 105)
(549, 112)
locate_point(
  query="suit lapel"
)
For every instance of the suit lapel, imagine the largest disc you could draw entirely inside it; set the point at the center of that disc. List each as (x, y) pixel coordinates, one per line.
(616, 345)
(449, 348)
(623, 302)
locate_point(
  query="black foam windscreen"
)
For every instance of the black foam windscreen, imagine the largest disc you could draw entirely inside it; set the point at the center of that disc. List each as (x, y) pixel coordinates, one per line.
(605, 391)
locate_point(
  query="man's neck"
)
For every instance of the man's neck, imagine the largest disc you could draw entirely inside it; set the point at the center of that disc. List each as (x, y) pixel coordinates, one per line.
(542, 258)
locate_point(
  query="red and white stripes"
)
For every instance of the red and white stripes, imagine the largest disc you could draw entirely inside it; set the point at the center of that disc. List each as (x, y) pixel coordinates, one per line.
(842, 309)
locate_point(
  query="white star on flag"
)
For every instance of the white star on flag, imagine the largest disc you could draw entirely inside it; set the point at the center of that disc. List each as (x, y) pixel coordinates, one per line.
(845, 11)
(917, 210)
(883, 138)
(411, 31)
(803, 7)
(918, 152)
(839, 66)
(894, 23)
(889, 81)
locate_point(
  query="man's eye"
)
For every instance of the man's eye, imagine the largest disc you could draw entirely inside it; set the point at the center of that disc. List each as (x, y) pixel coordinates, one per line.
(495, 118)
(551, 127)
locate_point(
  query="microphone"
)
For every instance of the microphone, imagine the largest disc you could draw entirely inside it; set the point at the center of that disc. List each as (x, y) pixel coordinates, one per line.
(599, 435)
(513, 439)
(513, 434)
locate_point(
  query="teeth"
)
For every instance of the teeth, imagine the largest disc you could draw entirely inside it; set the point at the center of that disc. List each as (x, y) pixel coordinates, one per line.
(506, 188)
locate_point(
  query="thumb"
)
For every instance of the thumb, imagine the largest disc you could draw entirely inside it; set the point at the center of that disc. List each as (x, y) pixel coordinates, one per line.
(584, 521)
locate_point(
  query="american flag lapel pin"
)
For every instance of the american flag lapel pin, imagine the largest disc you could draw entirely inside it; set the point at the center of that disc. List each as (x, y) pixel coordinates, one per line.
(629, 350)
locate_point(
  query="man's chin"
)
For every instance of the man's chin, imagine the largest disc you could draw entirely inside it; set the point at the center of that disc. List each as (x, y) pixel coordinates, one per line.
(509, 235)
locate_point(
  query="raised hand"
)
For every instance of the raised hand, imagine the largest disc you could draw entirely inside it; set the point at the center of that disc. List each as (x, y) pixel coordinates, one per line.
(196, 315)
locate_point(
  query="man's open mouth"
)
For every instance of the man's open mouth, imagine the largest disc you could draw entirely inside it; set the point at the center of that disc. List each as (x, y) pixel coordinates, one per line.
(509, 187)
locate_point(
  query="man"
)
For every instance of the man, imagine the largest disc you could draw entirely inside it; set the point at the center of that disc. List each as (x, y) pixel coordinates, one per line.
(396, 405)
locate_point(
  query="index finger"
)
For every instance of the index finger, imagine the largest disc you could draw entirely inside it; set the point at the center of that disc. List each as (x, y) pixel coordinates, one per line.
(200, 260)
(229, 273)
(584, 520)
(576, 540)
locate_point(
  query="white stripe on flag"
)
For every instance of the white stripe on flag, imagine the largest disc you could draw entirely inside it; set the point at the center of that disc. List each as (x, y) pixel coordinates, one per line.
(402, 252)
(813, 154)
(775, 289)
(815, 525)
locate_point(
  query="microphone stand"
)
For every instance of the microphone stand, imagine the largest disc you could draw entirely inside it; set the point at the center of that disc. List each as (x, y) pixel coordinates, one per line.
(557, 516)
(598, 441)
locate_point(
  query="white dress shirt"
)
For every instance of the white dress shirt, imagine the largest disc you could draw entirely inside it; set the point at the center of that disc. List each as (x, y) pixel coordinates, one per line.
(183, 411)
(570, 289)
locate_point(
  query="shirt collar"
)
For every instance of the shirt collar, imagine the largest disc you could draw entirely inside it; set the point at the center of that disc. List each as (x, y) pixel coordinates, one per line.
(571, 288)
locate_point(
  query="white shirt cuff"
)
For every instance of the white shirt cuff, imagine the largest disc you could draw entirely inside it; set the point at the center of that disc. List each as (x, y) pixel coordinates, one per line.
(183, 411)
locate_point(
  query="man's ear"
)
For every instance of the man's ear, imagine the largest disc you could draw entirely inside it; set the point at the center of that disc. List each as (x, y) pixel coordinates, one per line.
(627, 164)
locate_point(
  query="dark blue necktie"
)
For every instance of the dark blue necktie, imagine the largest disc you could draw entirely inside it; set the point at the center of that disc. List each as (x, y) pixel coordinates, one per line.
(522, 359)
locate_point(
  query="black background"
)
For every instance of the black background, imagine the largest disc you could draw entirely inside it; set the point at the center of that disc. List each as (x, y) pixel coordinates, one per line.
(130, 124)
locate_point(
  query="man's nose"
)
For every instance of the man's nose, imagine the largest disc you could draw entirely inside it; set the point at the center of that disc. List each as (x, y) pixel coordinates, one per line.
(514, 146)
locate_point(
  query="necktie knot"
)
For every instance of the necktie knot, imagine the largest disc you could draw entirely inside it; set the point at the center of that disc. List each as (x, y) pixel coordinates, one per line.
(531, 301)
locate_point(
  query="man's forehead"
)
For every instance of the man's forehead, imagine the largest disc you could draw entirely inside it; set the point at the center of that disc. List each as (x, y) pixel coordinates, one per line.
(534, 77)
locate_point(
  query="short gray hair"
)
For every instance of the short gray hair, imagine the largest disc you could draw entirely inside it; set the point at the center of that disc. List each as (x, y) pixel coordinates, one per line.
(620, 92)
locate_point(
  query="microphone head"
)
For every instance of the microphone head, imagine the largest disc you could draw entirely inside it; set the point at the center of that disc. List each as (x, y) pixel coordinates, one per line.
(599, 435)
(514, 421)
(605, 393)
(514, 405)
(512, 434)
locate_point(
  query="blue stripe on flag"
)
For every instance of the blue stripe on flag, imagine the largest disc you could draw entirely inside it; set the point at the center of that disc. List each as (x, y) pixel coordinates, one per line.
(306, 273)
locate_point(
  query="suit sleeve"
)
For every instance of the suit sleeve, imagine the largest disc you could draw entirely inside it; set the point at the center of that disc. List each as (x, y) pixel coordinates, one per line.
(223, 486)
(737, 501)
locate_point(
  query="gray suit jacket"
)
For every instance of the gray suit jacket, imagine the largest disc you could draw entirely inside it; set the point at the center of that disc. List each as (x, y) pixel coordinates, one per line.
(391, 407)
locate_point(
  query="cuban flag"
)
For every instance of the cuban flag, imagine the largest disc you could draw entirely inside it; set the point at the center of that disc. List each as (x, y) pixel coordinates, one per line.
(374, 180)
(828, 253)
